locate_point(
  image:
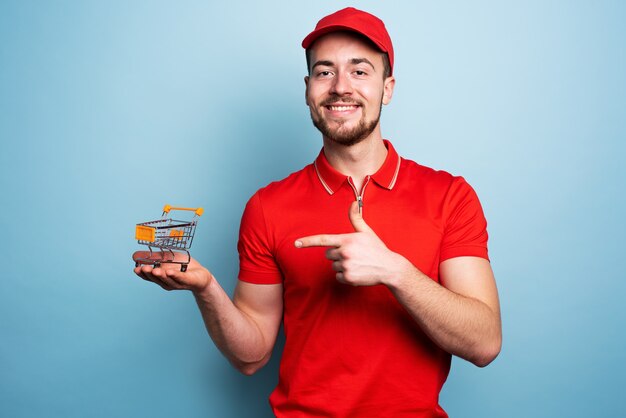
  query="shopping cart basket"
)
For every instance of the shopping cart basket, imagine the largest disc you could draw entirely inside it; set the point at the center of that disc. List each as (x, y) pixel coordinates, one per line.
(169, 235)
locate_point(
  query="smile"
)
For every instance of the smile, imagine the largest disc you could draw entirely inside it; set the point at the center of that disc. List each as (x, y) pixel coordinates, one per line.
(342, 108)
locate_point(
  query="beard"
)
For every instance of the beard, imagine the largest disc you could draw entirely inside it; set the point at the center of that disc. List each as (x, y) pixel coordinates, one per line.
(343, 135)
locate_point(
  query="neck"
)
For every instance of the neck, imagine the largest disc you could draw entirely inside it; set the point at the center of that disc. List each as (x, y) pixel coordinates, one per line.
(357, 161)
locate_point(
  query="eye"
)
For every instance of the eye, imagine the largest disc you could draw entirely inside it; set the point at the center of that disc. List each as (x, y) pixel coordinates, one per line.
(360, 73)
(324, 73)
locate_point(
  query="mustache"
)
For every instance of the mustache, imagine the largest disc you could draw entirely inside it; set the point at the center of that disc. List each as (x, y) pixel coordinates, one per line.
(346, 100)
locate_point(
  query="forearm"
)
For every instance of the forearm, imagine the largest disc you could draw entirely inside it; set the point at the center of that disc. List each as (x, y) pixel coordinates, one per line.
(244, 329)
(461, 325)
(233, 331)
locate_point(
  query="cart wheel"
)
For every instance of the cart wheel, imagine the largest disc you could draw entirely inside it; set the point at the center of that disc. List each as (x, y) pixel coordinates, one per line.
(136, 263)
(156, 265)
(183, 267)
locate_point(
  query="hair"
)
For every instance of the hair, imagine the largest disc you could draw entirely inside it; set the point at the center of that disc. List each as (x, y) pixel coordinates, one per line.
(386, 65)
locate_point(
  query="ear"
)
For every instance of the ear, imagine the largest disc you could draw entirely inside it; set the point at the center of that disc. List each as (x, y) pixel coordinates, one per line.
(389, 84)
(306, 90)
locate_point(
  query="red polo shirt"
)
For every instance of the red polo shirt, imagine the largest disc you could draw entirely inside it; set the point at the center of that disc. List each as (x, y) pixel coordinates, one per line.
(355, 351)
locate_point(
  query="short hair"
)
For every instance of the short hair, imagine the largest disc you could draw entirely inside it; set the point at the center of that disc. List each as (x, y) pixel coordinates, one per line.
(386, 65)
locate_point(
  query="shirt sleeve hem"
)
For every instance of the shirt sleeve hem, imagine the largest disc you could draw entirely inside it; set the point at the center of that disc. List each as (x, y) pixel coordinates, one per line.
(259, 278)
(465, 251)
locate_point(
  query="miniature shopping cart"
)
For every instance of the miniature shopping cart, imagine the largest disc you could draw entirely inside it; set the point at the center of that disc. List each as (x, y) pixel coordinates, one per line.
(170, 236)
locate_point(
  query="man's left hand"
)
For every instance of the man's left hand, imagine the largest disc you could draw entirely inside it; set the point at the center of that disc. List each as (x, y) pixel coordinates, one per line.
(359, 258)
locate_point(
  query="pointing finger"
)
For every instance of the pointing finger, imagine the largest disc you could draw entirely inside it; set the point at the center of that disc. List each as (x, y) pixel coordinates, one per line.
(323, 240)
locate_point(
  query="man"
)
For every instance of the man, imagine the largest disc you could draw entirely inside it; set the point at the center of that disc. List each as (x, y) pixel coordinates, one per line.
(376, 265)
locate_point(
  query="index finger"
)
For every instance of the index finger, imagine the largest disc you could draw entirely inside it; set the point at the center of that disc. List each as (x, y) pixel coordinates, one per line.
(322, 240)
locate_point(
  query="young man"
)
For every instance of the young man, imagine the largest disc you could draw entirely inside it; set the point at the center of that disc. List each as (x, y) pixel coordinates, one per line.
(376, 265)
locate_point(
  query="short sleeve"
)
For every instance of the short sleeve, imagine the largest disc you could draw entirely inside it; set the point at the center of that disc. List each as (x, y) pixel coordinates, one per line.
(256, 260)
(465, 231)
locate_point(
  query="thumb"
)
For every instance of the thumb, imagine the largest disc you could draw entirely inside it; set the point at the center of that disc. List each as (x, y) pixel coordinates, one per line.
(356, 218)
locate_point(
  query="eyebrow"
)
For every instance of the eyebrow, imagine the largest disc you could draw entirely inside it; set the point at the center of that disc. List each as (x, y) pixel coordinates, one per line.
(353, 61)
(322, 63)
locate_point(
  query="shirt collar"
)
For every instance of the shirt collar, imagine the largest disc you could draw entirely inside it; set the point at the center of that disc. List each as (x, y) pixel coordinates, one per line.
(332, 179)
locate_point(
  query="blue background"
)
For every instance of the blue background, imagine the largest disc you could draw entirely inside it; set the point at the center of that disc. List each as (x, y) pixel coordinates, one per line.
(109, 110)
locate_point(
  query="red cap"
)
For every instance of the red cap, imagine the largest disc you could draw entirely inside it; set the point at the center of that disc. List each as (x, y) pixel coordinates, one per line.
(354, 20)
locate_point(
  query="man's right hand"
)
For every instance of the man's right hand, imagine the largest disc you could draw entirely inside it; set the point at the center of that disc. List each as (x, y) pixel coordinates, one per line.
(168, 275)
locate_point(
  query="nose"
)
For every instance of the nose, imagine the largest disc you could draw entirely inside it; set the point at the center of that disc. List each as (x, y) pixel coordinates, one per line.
(341, 85)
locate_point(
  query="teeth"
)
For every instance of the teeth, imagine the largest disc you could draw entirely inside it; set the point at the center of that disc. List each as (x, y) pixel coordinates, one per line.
(341, 108)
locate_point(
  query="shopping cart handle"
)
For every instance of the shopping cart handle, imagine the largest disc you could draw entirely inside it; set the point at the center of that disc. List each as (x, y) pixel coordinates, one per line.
(198, 211)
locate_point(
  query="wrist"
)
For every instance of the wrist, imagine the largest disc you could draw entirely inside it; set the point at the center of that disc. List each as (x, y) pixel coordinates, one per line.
(205, 285)
(403, 270)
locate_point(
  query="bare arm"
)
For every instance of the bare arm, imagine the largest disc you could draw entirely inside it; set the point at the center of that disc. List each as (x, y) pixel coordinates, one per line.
(461, 314)
(243, 329)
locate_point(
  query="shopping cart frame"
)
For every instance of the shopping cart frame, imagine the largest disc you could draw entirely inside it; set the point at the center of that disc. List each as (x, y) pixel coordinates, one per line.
(170, 236)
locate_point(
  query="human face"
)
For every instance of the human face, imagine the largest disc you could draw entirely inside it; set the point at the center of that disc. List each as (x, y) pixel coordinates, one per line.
(345, 89)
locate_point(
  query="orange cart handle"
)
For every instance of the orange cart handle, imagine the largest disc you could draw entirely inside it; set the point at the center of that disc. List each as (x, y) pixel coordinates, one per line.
(198, 211)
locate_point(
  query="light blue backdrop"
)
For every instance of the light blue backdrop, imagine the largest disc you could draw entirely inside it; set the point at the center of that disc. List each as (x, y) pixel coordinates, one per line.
(108, 110)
